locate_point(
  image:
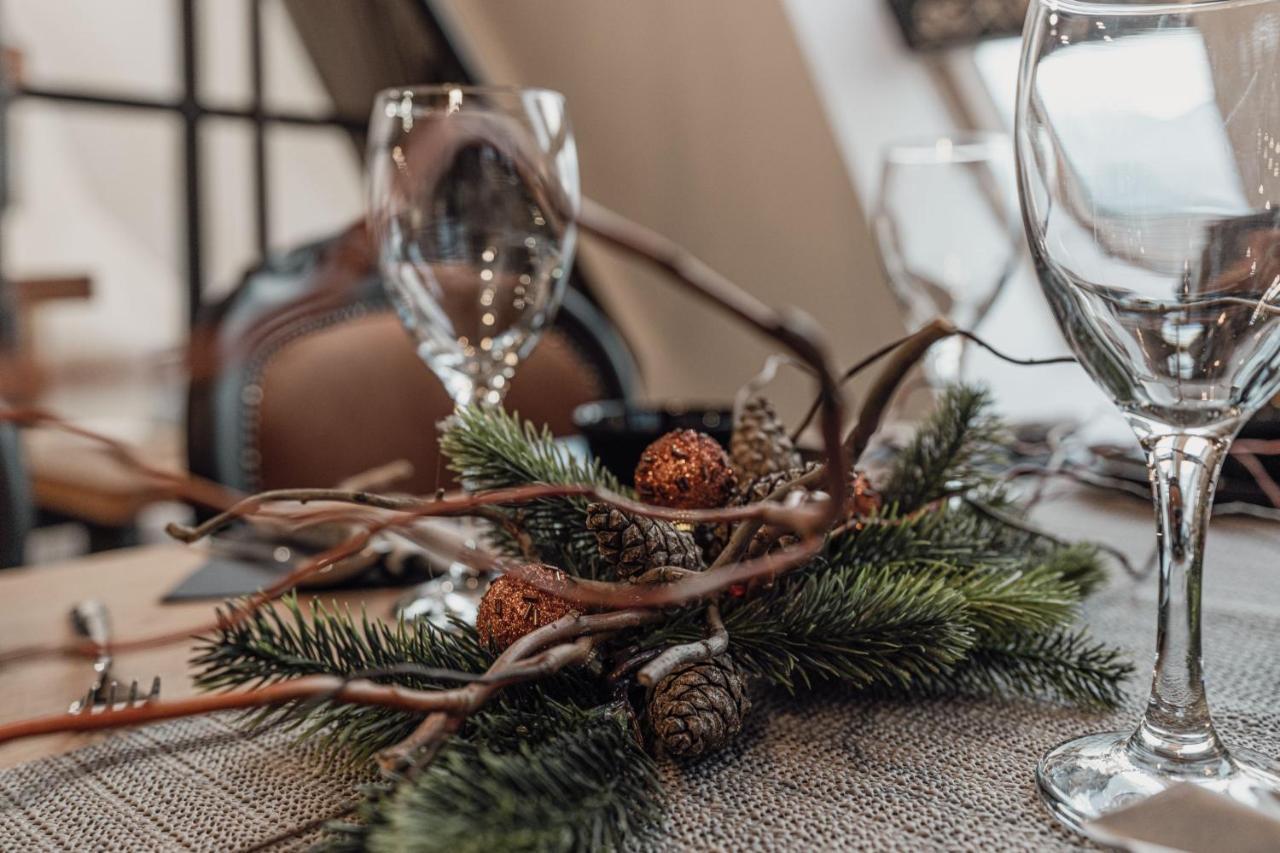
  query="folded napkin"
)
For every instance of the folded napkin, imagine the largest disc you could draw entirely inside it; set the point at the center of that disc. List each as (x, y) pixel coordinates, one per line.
(1189, 818)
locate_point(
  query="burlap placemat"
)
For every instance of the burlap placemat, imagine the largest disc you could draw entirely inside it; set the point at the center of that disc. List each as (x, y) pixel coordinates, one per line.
(825, 771)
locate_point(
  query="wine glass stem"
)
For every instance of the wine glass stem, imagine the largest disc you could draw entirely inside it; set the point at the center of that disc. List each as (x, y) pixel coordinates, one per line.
(1176, 725)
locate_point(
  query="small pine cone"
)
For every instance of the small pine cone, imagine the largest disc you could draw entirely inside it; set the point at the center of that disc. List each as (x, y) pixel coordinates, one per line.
(862, 501)
(699, 708)
(633, 544)
(760, 443)
(752, 492)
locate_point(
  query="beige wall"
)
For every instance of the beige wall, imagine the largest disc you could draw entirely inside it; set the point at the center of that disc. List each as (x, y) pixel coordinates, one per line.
(699, 119)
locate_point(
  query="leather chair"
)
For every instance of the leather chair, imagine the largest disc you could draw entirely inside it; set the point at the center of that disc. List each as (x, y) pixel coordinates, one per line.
(15, 499)
(303, 376)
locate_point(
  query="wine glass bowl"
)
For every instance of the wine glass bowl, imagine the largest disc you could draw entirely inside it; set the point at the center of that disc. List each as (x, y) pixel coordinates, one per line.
(947, 233)
(473, 193)
(1149, 175)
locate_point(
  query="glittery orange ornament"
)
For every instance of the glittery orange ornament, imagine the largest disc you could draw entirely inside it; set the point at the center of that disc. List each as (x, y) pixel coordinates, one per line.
(511, 608)
(685, 469)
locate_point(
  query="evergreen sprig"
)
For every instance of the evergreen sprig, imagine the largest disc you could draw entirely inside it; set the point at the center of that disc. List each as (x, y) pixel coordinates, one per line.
(954, 450)
(957, 537)
(490, 449)
(273, 646)
(1066, 665)
(584, 784)
(878, 626)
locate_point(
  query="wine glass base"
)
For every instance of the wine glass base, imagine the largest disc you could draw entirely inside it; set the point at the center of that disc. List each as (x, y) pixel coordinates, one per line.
(1084, 779)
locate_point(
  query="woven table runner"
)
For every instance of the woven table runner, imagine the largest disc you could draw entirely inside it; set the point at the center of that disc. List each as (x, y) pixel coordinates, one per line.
(821, 772)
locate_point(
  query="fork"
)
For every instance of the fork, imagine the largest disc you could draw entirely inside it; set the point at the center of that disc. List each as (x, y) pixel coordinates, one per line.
(89, 619)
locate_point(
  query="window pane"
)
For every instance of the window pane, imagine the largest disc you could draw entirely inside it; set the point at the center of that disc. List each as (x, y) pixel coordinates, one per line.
(316, 184)
(292, 85)
(230, 249)
(124, 46)
(96, 194)
(222, 30)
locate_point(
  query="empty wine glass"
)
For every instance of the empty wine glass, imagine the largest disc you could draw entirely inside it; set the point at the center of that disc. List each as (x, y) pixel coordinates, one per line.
(1148, 143)
(473, 195)
(947, 231)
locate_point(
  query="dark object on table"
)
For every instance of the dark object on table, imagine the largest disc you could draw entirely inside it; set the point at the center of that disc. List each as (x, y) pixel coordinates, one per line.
(936, 24)
(303, 376)
(618, 432)
(223, 577)
(15, 499)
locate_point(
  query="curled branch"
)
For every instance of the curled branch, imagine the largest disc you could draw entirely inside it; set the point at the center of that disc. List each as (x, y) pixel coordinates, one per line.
(716, 643)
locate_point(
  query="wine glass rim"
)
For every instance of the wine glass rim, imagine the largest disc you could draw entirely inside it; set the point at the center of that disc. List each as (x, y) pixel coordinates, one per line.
(393, 93)
(958, 147)
(1159, 7)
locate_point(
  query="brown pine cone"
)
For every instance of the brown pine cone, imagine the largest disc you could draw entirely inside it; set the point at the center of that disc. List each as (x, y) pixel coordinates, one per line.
(861, 501)
(633, 544)
(752, 492)
(699, 708)
(760, 443)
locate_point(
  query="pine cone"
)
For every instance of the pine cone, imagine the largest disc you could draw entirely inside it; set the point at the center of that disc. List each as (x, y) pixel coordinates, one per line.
(862, 500)
(633, 544)
(760, 443)
(699, 708)
(755, 491)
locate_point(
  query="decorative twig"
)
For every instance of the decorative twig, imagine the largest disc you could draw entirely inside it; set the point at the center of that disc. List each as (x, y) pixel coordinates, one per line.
(381, 477)
(1259, 474)
(310, 687)
(420, 746)
(1026, 527)
(178, 484)
(904, 358)
(716, 643)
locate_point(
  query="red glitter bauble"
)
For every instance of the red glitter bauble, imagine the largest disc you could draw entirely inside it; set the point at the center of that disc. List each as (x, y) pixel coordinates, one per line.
(511, 607)
(685, 469)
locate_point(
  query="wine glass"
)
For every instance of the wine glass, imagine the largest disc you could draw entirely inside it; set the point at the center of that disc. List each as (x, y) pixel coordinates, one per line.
(472, 200)
(1148, 148)
(946, 229)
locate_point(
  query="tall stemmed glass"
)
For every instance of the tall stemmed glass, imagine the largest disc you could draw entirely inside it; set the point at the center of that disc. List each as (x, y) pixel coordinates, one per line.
(473, 194)
(1148, 145)
(946, 229)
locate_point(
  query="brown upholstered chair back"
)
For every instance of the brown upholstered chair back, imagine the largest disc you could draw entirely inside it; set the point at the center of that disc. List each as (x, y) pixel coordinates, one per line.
(305, 377)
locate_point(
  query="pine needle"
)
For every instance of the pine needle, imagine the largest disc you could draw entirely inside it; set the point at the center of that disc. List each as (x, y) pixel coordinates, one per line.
(1066, 666)
(954, 450)
(587, 785)
(491, 449)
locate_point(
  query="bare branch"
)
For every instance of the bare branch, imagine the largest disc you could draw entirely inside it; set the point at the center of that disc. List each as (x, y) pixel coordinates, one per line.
(716, 643)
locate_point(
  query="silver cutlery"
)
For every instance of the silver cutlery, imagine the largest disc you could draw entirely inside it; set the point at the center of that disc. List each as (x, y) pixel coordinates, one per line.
(89, 619)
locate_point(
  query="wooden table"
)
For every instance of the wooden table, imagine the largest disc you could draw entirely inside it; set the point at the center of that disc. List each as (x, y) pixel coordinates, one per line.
(34, 607)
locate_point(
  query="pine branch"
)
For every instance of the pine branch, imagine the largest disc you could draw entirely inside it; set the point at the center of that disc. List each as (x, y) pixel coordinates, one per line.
(1063, 665)
(960, 537)
(863, 626)
(583, 784)
(488, 449)
(1003, 605)
(953, 450)
(272, 647)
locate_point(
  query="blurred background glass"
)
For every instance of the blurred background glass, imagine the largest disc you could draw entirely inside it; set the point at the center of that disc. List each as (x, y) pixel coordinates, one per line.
(947, 234)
